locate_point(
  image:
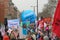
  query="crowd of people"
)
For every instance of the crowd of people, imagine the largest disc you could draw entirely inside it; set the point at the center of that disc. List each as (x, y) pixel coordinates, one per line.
(8, 34)
(35, 31)
(43, 31)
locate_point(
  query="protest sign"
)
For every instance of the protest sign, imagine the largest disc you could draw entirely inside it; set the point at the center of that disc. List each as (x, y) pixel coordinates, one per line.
(13, 23)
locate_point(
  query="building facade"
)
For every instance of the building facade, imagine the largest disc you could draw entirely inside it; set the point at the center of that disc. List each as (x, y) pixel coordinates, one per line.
(7, 10)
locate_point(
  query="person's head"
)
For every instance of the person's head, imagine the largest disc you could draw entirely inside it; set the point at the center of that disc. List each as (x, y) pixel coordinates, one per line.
(29, 32)
(32, 25)
(6, 33)
(41, 36)
(16, 30)
(45, 34)
(41, 17)
(12, 32)
(48, 25)
(24, 25)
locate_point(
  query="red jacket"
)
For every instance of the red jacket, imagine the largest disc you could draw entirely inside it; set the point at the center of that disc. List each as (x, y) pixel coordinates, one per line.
(5, 37)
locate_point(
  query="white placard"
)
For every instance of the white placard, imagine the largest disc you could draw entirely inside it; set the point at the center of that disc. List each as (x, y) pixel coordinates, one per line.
(13, 23)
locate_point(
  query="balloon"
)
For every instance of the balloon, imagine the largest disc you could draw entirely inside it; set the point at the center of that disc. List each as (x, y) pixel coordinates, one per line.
(28, 15)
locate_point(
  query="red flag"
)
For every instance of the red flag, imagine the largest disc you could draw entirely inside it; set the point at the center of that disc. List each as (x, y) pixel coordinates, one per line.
(56, 22)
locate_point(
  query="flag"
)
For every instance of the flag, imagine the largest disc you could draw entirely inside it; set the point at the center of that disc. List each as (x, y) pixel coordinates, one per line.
(56, 21)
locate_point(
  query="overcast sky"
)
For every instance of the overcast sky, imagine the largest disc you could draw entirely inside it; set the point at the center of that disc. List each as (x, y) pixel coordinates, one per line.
(26, 4)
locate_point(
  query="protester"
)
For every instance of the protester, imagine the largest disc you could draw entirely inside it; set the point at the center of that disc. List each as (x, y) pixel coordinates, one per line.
(38, 34)
(46, 37)
(45, 24)
(41, 38)
(1, 36)
(29, 36)
(12, 36)
(6, 37)
(33, 36)
(33, 28)
(16, 33)
(47, 30)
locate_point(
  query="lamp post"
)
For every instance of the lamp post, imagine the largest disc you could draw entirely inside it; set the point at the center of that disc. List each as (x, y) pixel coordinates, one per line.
(34, 7)
(37, 18)
(37, 9)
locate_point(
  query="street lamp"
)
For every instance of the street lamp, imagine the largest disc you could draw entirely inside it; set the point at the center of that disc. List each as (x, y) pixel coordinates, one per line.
(37, 9)
(34, 7)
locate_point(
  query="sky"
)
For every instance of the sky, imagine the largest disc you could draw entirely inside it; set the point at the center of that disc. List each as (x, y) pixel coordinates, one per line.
(26, 4)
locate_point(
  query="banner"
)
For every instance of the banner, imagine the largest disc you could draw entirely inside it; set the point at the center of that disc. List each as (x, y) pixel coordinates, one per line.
(13, 23)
